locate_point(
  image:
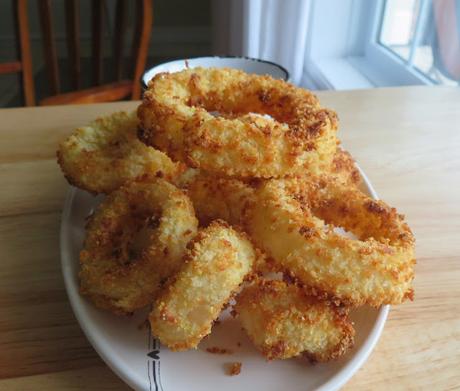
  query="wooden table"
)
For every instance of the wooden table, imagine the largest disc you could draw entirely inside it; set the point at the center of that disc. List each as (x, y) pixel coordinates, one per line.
(406, 139)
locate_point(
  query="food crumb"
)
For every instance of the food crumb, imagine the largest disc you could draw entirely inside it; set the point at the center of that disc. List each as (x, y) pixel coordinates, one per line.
(234, 368)
(217, 350)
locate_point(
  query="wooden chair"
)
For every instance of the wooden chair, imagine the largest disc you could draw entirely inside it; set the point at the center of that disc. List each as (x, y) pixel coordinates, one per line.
(118, 89)
(24, 64)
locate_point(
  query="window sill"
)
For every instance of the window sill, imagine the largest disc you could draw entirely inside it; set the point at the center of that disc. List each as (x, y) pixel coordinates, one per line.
(357, 72)
(335, 74)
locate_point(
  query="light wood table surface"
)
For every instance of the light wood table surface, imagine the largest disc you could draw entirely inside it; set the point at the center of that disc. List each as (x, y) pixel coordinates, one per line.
(407, 140)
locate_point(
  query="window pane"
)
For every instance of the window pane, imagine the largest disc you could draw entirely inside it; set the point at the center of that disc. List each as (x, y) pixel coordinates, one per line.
(398, 25)
(426, 35)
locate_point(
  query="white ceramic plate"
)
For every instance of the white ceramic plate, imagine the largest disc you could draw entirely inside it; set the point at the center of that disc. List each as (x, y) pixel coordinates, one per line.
(146, 365)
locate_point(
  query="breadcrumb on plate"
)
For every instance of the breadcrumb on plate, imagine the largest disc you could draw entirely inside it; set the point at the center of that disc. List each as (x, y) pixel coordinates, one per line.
(234, 368)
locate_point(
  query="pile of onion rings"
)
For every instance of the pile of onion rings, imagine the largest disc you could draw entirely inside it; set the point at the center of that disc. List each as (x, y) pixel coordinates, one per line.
(233, 186)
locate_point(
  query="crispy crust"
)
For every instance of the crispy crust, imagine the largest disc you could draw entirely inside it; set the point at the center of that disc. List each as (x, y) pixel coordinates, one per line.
(225, 198)
(175, 117)
(114, 277)
(283, 322)
(216, 262)
(292, 221)
(105, 154)
(343, 167)
(218, 198)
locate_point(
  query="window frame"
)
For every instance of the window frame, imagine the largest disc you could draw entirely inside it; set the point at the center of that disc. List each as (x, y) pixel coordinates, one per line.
(358, 59)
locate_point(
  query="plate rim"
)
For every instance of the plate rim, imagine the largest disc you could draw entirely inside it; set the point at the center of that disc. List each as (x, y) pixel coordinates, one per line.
(334, 383)
(144, 82)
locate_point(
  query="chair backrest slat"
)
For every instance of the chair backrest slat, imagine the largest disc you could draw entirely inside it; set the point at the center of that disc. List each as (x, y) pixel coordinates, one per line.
(120, 30)
(143, 16)
(72, 10)
(144, 12)
(98, 36)
(136, 33)
(49, 46)
(10, 67)
(25, 53)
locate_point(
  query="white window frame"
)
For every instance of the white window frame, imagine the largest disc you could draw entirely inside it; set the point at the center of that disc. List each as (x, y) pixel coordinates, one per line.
(344, 51)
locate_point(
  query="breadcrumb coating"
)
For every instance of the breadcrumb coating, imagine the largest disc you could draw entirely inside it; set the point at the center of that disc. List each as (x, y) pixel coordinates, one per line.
(105, 154)
(122, 271)
(293, 221)
(283, 322)
(224, 198)
(216, 263)
(218, 198)
(343, 167)
(175, 117)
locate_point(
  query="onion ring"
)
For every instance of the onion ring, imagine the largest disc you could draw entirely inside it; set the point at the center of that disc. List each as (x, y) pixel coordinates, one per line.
(216, 263)
(283, 322)
(114, 274)
(292, 221)
(105, 154)
(175, 117)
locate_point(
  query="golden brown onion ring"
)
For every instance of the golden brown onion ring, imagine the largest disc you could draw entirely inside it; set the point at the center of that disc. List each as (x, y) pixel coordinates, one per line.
(216, 263)
(293, 220)
(175, 117)
(105, 154)
(134, 241)
(283, 322)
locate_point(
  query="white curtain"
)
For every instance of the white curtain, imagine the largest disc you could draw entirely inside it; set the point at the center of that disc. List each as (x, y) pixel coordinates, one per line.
(273, 30)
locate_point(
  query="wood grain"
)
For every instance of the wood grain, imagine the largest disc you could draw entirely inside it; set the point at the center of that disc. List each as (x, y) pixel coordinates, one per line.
(406, 139)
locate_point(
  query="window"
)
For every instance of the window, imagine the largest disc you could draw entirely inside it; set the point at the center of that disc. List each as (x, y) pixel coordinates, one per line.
(409, 30)
(361, 43)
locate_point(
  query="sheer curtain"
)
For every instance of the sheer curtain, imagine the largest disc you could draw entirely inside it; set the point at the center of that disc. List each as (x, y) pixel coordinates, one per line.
(273, 30)
(447, 45)
(339, 44)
